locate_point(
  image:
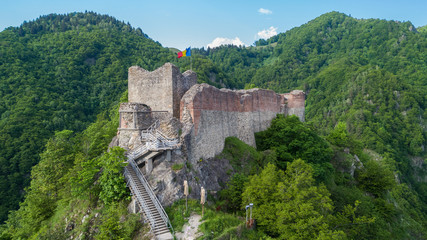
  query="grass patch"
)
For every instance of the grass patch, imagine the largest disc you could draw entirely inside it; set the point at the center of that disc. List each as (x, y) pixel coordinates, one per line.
(215, 224)
(242, 157)
(178, 215)
(177, 166)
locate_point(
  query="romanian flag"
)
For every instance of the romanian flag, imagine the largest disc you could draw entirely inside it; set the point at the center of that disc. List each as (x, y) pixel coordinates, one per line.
(185, 53)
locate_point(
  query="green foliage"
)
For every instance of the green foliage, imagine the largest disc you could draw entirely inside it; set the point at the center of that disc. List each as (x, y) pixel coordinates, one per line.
(179, 214)
(291, 139)
(289, 204)
(177, 166)
(70, 172)
(214, 224)
(113, 227)
(339, 135)
(422, 29)
(233, 193)
(59, 72)
(112, 182)
(48, 185)
(375, 178)
(243, 158)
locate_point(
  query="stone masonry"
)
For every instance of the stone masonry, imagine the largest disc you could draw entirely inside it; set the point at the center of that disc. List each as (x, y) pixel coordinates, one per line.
(210, 115)
(134, 117)
(161, 89)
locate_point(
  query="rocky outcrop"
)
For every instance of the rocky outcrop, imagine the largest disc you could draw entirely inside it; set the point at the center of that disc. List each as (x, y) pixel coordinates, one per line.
(168, 184)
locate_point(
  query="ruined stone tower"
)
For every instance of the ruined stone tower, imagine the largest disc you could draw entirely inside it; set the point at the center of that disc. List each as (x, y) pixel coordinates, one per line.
(161, 89)
(134, 117)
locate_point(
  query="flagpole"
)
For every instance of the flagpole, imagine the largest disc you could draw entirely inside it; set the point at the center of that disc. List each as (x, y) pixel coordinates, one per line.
(191, 62)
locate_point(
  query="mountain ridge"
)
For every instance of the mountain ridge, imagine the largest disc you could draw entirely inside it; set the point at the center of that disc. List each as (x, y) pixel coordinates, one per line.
(63, 71)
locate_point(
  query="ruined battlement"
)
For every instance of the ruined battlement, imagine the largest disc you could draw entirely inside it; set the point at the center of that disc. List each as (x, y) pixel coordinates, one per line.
(203, 97)
(161, 89)
(295, 104)
(209, 115)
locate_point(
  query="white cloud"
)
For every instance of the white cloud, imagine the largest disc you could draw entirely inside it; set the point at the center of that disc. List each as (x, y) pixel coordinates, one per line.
(225, 41)
(265, 11)
(267, 33)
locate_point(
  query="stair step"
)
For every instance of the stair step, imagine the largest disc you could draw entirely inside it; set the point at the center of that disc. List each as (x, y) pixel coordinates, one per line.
(137, 188)
(161, 231)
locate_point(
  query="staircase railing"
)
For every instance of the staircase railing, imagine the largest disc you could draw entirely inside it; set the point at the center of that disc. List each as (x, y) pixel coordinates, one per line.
(154, 140)
(139, 197)
(153, 134)
(138, 152)
(150, 192)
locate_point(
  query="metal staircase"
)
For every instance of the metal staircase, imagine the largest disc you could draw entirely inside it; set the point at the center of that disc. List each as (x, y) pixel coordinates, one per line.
(139, 186)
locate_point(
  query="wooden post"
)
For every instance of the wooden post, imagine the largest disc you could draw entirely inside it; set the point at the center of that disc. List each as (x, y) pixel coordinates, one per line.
(186, 194)
(202, 199)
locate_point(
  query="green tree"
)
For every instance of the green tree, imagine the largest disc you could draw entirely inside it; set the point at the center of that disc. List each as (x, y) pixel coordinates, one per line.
(113, 185)
(291, 139)
(289, 205)
(234, 190)
(375, 178)
(49, 184)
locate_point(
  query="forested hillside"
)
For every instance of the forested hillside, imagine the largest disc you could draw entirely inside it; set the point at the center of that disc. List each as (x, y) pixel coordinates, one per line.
(362, 146)
(57, 73)
(369, 73)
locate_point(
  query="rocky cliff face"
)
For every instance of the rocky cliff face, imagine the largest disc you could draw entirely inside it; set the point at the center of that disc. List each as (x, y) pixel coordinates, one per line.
(168, 184)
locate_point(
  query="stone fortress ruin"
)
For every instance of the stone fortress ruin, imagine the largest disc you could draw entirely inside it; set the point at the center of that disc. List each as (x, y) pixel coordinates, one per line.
(170, 120)
(203, 115)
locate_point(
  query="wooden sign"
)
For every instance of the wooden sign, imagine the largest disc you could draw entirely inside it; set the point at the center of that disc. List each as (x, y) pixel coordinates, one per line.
(202, 196)
(185, 188)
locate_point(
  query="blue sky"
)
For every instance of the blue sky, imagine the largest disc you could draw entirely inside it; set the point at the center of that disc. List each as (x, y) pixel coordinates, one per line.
(199, 23)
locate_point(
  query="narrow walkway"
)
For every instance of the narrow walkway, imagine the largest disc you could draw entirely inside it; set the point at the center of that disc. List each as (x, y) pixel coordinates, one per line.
(190, 229)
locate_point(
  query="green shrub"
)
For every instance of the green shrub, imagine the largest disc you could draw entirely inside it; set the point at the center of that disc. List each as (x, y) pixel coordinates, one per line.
(177, 166)
(113, 185)
(291, 139)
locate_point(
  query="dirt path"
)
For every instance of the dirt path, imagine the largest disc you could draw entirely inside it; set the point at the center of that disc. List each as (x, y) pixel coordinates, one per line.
(191, 228)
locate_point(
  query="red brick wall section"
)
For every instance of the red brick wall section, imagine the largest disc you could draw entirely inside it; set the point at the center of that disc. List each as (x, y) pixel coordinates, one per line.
(295, 99)
(206, 97)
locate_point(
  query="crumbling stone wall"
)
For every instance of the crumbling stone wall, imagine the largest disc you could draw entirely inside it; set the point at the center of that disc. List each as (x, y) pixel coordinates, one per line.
(295, 104)
(209, 115)
(161, 89)
(134, 117)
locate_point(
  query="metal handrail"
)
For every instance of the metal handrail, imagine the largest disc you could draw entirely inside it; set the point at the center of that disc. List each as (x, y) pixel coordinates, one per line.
(139, 151)
(150, 192)
(140, 198)
(156, 140)
(160, 134)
